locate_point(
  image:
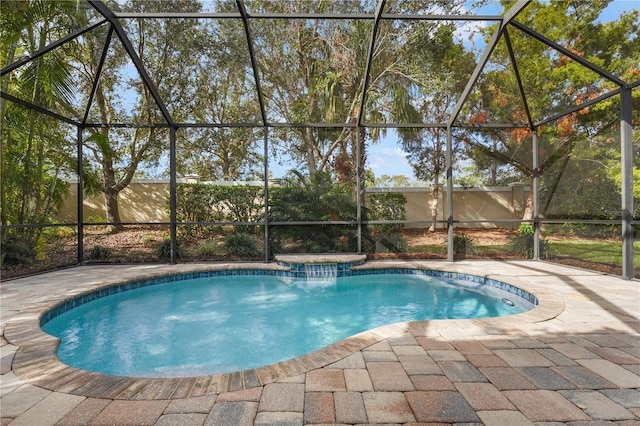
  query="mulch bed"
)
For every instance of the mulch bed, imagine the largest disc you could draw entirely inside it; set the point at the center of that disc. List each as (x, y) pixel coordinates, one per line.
(138, 245)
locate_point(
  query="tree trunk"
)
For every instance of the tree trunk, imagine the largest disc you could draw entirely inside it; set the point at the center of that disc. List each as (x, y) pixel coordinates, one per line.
(436, 181)
(528, 209)
(434, 203)
(113, 214)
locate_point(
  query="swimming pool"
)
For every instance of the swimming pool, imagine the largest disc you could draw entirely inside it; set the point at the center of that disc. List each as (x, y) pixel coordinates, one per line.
(234, 320)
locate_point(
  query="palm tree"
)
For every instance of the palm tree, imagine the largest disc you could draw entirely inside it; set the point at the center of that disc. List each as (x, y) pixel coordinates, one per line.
(33, 150)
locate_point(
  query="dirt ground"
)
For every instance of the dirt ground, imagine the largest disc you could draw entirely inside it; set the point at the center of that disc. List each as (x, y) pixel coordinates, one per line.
(138, 245)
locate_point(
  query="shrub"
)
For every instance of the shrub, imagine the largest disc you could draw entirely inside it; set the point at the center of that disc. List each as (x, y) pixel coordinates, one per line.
(526, 228)
(395, 243)
(206, 248)
(315, 197)
(241, 244)
(163, 249)
(96, 219)
(463, 244)
(98, 252)
(522, 243)
(387, 206)
(200, 202)
(16, 252)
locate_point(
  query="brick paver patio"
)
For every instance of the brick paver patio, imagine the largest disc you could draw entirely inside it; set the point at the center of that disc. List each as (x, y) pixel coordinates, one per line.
(575, 359)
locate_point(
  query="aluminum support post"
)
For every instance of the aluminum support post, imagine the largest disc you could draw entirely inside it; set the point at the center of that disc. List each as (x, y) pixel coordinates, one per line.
(266, 193)
(536, 196)
(358, 194)
(450, 253)
(173, 227)
(80, 201)
(626, 150)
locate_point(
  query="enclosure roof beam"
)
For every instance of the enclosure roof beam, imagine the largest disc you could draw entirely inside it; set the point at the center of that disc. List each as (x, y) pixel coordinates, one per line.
(372, 44)
(578, 107)
(38, 108)
(314, 125)
(582, 61)
(52, 46)
(508, 17)
(96, 80)
(276, 15)
(126, 43)
(514, 63)
(252, 56)
(633, 84)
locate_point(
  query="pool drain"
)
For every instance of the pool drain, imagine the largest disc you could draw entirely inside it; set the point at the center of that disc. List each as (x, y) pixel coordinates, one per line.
(508, 301)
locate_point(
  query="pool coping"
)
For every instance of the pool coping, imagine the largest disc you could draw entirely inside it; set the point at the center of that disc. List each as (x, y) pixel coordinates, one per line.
(36, 361)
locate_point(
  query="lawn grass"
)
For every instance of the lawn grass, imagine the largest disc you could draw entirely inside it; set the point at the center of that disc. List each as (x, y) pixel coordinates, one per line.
(598, 251)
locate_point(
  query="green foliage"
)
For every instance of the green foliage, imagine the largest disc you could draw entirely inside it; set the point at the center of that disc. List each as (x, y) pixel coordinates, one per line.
(394, 243)
(522, 244)
(551, 84)
(312, 198)
(387, 206)
(163, 249)
(579, 186)
(199, 202)
(206, 248)
(241, 244)
(463, 244)
(99, 252)
(16, 252)
(35, 151)
(526, 228)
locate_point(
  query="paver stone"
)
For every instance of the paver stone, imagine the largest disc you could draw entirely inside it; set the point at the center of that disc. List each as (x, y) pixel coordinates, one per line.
(282, 397)
(431, 382)
(458, 371)
(232, 414)
(503, 418)
(389, 376)
(523, 358)
(266, 418)
(325, 380)
(50, 410)
(121, 412)
(583, 378)
(20, 400)
(484, 396)
(198, 404)
(506, 378)
(629, 398)
(546, 378)
(84, 412)
(387, 407)
(319, 408)
(445, 407)
(545, 406)
(191, 419)
(597, 406)
(614, 373)
(349, 407)
(419, 364)
(358, 380)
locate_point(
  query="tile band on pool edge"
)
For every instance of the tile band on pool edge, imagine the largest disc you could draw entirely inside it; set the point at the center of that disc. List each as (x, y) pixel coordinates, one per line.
(132, 285)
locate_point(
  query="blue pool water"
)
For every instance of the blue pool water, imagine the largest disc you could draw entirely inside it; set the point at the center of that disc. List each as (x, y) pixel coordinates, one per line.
(230, 323)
